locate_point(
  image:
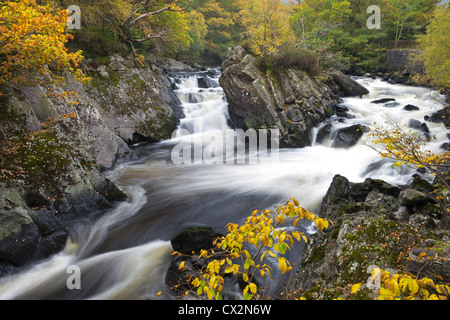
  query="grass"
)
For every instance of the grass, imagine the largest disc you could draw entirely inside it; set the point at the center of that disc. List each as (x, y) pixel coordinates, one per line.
(291, 57)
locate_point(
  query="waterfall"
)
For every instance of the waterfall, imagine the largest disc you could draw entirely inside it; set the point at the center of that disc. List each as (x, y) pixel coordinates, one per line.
(203, 103)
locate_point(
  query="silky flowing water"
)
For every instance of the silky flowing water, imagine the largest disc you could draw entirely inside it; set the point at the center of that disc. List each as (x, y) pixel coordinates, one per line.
(125, 254)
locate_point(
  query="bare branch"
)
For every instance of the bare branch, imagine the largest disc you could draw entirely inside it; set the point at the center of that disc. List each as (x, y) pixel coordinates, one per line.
(131, 21)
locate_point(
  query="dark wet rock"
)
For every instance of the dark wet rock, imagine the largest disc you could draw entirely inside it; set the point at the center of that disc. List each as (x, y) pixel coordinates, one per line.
(349, 136)
(122, 105)
(194, 239)
(412, 197)
(384, 100)
(206, 82)
(445, 146)
(410, 107)
(323, 133)
(391, 104)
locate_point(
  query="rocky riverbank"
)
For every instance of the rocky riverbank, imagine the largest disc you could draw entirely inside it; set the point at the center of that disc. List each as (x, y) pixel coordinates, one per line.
(54, 153)
(375, 225)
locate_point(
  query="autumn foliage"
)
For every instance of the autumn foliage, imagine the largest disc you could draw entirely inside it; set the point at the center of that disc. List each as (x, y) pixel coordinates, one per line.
(32, 46)
(404, 286)
(408, 147)
(244, 250)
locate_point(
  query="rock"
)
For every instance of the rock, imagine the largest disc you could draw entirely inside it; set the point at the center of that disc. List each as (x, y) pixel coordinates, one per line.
(206, 82)
(290, 100)
(391, 104)
(174, 65)
(323, 133)
(194, 239)
(371, 229)
(188, 244)
(431, 264)
(445, 146)
(234, 56)
(348, 137)
(348, 86)
(410, 107)
(115, 65)
(411, 198)
(384, 100)
(340, 111)
(422, 185)
(382, 187)
(343, 194)
(19, 246)
(439, 116)
(421, 126)
(413, 123)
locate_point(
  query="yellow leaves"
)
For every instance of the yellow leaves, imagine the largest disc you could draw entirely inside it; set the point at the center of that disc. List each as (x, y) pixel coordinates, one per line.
(182, 266)
(375, 273)
(213, 267)
(283, 265)
(321, 223)
(252, 288)
(408, 147)
(259, 236)
(297, 235)
(356, 287)
(267, 26)
(405, 287)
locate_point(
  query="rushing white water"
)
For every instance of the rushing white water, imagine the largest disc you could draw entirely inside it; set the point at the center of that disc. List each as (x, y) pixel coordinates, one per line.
(125, 254)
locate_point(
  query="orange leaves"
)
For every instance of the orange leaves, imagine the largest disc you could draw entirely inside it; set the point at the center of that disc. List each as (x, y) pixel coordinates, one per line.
(33, 38)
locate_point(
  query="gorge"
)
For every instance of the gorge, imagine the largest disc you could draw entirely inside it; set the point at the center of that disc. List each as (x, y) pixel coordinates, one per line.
(124, 253)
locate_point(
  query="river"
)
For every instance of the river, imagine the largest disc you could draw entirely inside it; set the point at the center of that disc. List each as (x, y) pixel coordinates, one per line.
(125, 253)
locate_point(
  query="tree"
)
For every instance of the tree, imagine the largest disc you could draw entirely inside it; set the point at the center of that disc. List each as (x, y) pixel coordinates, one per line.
(409, 148)
(409, 16)
(197, 31)
(336, 31)
(218, 22)
(266, 24)
(435, 47)
(32, 46)
(243, 250)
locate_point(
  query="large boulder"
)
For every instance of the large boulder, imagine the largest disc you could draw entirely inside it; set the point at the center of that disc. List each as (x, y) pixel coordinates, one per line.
(411, 198)
(348, 86)
(290, 100)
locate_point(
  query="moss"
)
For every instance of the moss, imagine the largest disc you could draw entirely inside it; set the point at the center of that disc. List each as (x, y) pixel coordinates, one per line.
(158, 127)
(354, 207)
(374, 241)
(311, 293)
(37, 158)
(318, 254)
